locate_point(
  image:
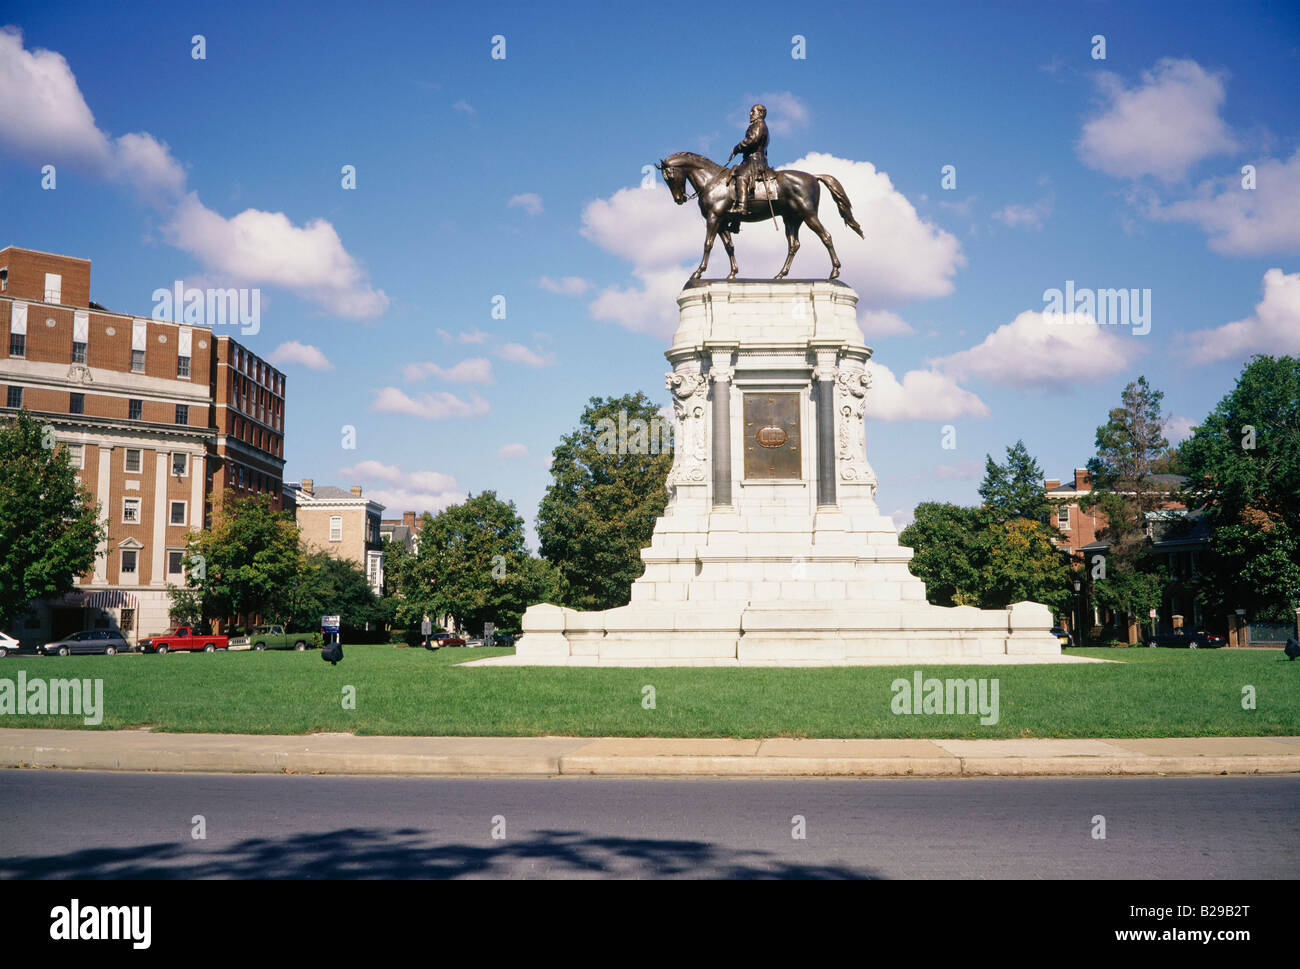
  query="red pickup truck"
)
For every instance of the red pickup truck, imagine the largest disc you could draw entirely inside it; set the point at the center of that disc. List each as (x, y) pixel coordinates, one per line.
(183, 638)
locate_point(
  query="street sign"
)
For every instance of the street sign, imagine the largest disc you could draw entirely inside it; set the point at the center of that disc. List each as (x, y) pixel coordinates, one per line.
(426, 627)
(488, 629)
(1152, 613)
(329, 624)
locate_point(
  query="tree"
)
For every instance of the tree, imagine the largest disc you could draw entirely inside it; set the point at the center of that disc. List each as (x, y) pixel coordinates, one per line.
(49, 524)
(1015, 489)
(1020, 563)
(471, 566)
(1131, 446)
(600, 508)
(947, 554)
(1243, 467)
(331, 586)
(248, 563)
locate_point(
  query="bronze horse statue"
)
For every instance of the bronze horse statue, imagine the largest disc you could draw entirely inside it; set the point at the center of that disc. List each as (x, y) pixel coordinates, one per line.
(796, 201)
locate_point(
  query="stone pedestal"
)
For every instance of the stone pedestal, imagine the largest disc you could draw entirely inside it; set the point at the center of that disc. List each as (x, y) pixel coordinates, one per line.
(772, 551)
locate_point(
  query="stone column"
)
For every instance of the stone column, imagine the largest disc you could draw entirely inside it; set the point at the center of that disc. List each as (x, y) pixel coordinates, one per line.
(825, 381)
(720, 377)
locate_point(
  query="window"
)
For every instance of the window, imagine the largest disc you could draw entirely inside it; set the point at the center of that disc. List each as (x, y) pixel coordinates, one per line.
(76, 403)
(182, 413)
(17, 344)
(53, 288)
(77, 455)
(137, 361)
(175, 562)
(135, 410)
(183, 368)
(4, 279)
(180, 465)
(15, 396)
(78, 351)
(128, 561)
(130, 511)
(336, 528)
(177, 516)
(132, 460)
(1063, 516)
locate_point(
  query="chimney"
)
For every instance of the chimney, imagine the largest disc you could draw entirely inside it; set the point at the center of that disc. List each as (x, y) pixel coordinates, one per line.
(408, 519)
(1052, 483)
(308, 484)
(1082, 479)
(356, 491)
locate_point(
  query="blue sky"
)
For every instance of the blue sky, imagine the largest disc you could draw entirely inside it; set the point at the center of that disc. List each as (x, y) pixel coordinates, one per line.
(521, 176)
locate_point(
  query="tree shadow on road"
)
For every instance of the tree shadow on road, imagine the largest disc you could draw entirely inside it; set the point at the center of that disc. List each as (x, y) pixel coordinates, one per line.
(402, 853)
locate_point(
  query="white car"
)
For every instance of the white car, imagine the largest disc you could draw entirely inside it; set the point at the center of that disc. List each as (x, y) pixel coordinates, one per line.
(8, 645)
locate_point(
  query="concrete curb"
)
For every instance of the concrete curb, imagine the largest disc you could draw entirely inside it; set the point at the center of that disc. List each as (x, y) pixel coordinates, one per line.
(344, 754)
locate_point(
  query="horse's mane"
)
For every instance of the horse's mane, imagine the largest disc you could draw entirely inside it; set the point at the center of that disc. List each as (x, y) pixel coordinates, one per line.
(689, 156)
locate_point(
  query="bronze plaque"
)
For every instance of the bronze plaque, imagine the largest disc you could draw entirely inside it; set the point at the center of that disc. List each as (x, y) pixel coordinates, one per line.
(772, 436)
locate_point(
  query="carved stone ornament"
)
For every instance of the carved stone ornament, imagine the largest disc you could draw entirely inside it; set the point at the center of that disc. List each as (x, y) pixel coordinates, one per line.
(851, 388)
(691, 453)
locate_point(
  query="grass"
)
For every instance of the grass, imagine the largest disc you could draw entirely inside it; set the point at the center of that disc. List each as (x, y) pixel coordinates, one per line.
(1147, 693)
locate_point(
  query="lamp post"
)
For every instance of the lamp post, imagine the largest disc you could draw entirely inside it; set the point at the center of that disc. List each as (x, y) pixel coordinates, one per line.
(1078, 614)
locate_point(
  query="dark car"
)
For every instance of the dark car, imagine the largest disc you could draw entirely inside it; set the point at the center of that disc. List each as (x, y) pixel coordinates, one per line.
(1182, 639)
(89, 641)
(1062, 636)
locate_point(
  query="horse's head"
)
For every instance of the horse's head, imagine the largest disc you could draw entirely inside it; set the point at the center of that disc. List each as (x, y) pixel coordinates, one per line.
(674, 178)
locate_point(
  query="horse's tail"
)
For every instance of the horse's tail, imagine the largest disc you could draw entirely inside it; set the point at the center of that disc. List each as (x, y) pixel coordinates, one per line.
(842, 201)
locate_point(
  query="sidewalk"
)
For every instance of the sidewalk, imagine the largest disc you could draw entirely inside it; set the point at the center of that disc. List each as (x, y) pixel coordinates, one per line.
(138, 750)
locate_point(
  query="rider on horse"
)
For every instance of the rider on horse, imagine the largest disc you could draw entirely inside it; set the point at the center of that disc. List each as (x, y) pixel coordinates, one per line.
(754, 147)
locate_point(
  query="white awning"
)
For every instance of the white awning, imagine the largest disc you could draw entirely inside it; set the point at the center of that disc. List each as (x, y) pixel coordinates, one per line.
(139, 334)
(80, 327)
(183, 341)
(18, 322)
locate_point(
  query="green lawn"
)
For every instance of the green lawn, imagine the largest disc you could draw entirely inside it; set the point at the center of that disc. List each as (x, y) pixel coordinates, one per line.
(1148, 693)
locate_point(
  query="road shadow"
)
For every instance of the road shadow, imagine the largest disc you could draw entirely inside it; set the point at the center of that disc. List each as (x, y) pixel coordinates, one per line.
(406, 853)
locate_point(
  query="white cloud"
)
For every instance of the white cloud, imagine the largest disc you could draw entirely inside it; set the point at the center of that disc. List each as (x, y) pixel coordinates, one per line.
(1031, 216)
(518, 353)
(513, 451)
(882, 323)
(1241, 221)
(1178, 429)
(43, 115)
(1274, 327)
(1044, 351)
(303, 354)
(565, 285)
(418, 491)
(431, 407)
(530, 202)
(903, 257)
(472, 335)
(464, 107)
(1161, 127)
(476, 370)
(922, 395)
(256, 247)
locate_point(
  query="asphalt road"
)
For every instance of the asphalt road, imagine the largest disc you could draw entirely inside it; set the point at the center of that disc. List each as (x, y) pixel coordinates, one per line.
(111, 825)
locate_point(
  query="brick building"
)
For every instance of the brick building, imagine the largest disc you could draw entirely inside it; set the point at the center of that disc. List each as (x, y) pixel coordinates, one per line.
(137, 403)
(344, 524)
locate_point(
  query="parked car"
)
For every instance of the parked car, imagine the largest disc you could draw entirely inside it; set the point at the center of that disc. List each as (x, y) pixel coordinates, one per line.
(1182, 639)
(107, 641)
(275, 637)
(183, 639)
(8, 645)
(1063, 636)
(444, 639)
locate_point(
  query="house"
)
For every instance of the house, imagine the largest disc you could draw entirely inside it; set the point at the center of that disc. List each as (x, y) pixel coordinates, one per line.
(343, 524)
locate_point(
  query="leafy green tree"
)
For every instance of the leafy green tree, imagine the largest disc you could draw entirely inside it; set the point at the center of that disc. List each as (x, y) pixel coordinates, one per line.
(1020, 563)
(332, 586)
(600, 508)
(247, 564)
(49, 524)
(1014, 489)
(947, 553)
(1131, 446)
(1243, 467)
